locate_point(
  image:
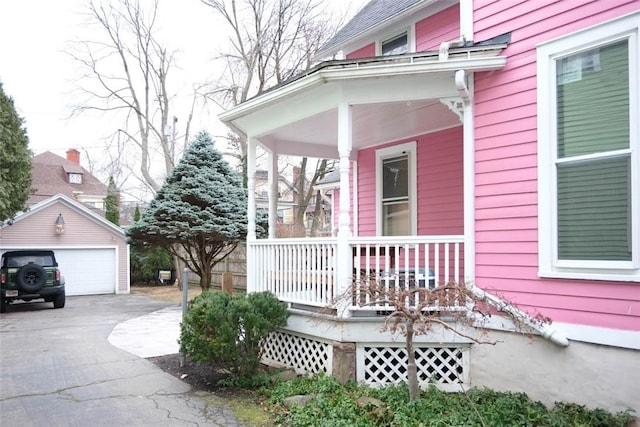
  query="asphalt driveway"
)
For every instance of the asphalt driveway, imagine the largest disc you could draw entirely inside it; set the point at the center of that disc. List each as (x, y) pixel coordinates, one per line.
(57, 368)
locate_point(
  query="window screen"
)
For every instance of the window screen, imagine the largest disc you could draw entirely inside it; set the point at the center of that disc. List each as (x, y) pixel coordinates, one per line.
(593, 166)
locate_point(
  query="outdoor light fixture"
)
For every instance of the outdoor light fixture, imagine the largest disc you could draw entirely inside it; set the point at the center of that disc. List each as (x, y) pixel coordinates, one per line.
(59, 226)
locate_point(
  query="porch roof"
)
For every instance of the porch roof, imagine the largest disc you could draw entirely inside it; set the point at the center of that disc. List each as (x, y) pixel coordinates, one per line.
(392, 98)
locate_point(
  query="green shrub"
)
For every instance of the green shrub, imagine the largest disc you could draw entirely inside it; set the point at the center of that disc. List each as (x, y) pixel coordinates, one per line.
(145, 262)
(226, 330)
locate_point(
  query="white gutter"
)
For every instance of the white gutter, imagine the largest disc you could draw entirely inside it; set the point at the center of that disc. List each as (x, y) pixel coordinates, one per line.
(382, 68)
(545, 329)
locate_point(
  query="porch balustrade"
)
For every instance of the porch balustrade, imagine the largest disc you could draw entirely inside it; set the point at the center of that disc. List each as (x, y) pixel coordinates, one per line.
(304, 271)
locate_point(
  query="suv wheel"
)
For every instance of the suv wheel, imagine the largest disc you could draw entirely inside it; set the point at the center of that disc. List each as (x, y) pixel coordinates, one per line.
(58, 300)
(31, 278)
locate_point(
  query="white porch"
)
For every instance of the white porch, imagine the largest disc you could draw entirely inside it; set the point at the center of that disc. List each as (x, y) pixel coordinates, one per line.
(334, 112)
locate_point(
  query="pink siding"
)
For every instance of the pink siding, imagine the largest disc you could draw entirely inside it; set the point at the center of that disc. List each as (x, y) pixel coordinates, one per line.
(440, 186)
(441, 27)
(506, 167)
(365, 52)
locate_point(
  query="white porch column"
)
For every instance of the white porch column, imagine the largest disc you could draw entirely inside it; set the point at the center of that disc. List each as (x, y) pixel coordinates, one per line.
(251, 213)
(272, 172)
(344, 256)
(251, 188)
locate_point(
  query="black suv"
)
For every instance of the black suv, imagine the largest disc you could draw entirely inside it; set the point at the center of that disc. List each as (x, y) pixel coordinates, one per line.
(28, 275)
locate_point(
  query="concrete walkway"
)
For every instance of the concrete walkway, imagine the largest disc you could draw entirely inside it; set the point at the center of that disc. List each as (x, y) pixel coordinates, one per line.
(151, 335)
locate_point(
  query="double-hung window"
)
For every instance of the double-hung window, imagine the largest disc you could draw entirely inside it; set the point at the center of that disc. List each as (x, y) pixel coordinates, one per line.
(396, 190)
(588, 153)
(395, 45)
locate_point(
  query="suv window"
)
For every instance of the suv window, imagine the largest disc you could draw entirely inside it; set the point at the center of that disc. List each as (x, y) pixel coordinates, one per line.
(20, 260)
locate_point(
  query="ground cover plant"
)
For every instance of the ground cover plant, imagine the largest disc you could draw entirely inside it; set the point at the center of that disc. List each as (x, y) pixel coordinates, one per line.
(335, 404)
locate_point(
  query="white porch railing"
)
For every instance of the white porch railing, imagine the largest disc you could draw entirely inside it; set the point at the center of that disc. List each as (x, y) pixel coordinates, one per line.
(301, 271)
(385, 265)
(304, 271)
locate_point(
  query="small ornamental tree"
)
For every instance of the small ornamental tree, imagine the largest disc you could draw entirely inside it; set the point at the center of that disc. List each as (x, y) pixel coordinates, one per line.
(112, 205)
(15, 160)
(415, 309)
(199, 213)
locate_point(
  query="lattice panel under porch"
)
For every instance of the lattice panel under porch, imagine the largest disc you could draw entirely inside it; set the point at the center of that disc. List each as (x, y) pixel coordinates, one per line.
(447, 367)
(300, 353)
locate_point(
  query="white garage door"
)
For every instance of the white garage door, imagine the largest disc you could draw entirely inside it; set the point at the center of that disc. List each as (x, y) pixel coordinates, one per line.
(88, 271)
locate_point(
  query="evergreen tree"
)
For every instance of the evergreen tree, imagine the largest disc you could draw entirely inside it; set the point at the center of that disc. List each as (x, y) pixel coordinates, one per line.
(112, 204)
(136, 214)
(15, 160)
(200, 211)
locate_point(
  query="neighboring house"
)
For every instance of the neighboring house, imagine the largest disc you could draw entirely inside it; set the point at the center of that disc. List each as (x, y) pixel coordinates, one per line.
(92, 252)
(285, 196)
(488, 141)
(329, 187)
(52, 174)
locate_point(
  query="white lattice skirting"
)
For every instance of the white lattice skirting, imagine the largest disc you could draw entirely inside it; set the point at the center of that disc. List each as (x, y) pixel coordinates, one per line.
(377, 364)
(446, 367)
(303, 354)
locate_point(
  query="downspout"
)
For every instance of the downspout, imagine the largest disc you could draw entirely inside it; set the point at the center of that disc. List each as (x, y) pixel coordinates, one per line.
(443, 51)
(468, 174)
(546, 330)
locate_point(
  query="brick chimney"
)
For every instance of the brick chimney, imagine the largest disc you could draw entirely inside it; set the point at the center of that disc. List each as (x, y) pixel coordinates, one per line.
(73, 155)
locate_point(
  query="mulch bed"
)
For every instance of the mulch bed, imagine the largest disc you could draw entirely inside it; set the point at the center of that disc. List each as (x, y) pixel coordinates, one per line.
(198, 375)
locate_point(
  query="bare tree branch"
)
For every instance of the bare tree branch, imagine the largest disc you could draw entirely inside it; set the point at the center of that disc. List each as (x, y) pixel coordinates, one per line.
(126, 73)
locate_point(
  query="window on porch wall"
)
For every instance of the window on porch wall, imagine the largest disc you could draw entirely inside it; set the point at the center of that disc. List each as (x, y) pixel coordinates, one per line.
(396, 173)
(592, 153)
(395, 196)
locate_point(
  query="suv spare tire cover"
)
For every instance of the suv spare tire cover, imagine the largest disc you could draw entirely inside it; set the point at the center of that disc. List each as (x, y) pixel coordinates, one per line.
(31, 277)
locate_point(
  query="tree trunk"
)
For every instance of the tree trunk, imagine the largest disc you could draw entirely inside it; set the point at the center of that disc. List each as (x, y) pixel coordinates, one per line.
(179, 264)
(205, 279)
(412, 370)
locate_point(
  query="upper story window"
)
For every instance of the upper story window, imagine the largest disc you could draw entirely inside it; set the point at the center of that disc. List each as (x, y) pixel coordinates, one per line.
(395, 45)
(589, 161)
(75, 178)
(396, 190)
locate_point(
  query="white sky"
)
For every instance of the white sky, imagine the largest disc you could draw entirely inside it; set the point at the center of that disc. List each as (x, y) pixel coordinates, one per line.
(38, 75)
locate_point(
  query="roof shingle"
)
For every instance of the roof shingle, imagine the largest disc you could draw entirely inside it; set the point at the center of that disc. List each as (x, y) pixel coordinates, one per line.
(49, 177)
(372, 14)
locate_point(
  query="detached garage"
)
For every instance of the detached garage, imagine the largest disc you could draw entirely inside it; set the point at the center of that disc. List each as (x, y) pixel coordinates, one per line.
(92, 253)
(88, 271)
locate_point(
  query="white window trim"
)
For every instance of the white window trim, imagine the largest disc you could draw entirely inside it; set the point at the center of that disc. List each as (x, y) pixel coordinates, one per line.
(395, 150)
(626, 27)
(411, 39)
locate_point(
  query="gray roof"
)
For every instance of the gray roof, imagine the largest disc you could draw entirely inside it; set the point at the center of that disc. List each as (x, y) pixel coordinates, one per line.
(330, 178)
(49, 177)
(372, 14)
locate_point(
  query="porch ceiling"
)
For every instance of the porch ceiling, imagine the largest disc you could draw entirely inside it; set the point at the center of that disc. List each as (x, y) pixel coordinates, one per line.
(373, 124)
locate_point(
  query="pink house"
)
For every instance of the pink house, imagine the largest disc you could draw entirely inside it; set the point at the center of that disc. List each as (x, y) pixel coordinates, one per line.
(495, 143)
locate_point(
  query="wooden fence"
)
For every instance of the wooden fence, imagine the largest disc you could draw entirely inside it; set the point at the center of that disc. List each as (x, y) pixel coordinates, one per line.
(235, 263)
